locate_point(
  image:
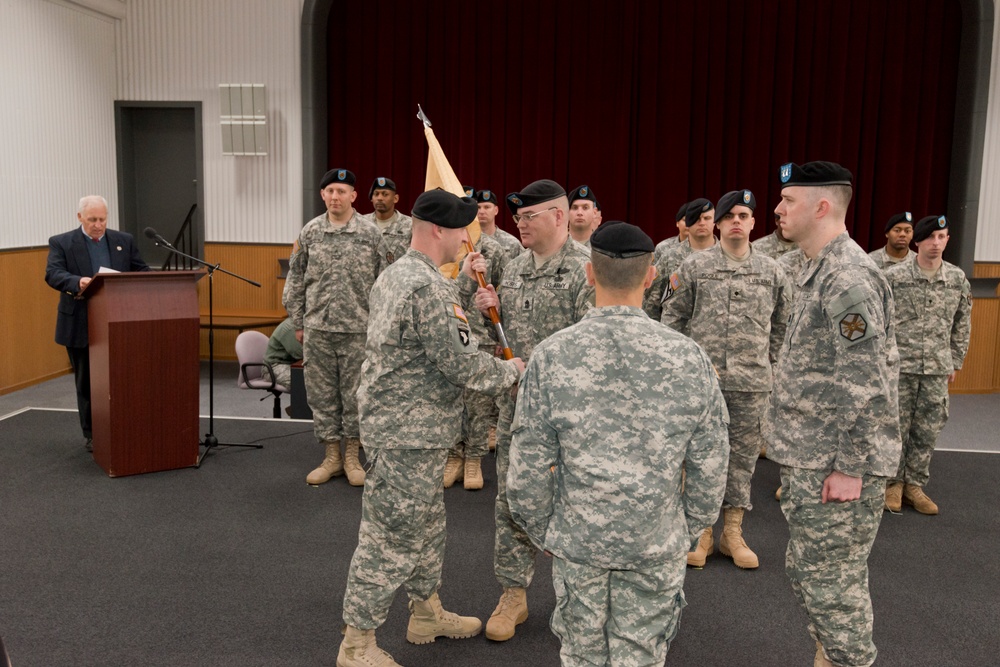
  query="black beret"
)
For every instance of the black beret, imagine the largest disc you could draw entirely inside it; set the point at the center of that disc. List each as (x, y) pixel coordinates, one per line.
(337, 176)
(928, 226)
(534, 193)
(486, 196)
(681, 212)
(814, 173)
(381, 183)
(694, 210)
(620, 240)
(584, 192)
(445, 209)
(734, 198)
(898, 218)
(469, 190)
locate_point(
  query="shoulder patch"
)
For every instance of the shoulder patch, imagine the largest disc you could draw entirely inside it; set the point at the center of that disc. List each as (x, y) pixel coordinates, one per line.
(855, 324)
(672, 284)
(461, 334)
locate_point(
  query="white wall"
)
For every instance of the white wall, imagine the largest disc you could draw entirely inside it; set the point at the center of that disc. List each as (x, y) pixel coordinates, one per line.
(57, 119)
(182, 50)
(988, 232)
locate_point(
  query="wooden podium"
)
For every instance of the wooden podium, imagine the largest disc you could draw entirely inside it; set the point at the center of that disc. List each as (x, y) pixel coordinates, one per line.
(144, 388)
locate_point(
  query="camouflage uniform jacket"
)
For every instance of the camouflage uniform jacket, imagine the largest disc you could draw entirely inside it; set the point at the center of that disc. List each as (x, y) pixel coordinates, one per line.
(663, 246)
(608, 412)
(331, 274)
(652, 301)
(883, 261)
(737, 315)
(933, 318)
(535, 303)
(497, 259)
(834, 402)
(791, 263)
(396, 236)
(508, 242)
(419, 356)
(772, 246)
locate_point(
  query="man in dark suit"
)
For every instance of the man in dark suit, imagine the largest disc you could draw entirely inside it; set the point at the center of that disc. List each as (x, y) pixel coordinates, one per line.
(74, 257)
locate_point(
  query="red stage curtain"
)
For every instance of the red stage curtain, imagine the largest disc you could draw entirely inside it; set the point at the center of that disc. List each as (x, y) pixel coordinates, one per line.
(652, 103)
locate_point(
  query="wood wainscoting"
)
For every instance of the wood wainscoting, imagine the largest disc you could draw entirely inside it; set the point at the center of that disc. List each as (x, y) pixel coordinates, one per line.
(981, 372)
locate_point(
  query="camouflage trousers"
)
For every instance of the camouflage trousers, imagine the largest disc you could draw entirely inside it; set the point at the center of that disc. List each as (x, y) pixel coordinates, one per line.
(282, 375)
(332, 363)
(625, 618)
(746, 411)
(827, 561)
(480, 414)
(513, 552)
(402, 535)
(923, 411)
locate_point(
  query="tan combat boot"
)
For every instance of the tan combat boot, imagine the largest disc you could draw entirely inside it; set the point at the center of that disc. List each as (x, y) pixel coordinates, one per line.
(360, 650)
(491, 439)
(454, 470)
(429, 620)
(705, 548)
(820, 659)
(352, 466)
(894, 496)
(511, 612)
(473, 474)
(914, 495)
(331, 466)
(731, 543)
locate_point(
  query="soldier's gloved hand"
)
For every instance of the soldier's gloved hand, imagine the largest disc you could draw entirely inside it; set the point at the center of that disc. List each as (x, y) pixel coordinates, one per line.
(486, 297)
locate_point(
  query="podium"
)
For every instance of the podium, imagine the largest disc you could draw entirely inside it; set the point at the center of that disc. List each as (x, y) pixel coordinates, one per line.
(144, 375)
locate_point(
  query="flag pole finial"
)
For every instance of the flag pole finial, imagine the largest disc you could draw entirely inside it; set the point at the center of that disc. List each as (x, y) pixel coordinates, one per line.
(423, 117)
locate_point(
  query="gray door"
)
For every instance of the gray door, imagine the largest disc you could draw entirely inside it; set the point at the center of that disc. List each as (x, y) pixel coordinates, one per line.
(159, 175)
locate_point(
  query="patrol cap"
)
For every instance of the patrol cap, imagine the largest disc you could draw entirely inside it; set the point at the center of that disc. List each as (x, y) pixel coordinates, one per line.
(469, 190)
(928, 226)
(445, 209)
(814, 174)
(337, 176)
(534, 193)
(381, 183)
(694, 210)
(734, 198)
(486, 197)
(898, 218)
(620, 240)
(681, 212)
(584, 192)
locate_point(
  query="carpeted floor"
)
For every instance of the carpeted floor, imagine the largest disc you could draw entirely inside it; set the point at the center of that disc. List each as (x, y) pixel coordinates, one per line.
(241, 563)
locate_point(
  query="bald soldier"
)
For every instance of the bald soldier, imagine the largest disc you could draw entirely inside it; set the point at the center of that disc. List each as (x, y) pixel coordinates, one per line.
(934, 324)
(396, 228)
(898, 234)
(542, 291)
(833, 423)
(618, 540)
(584, 214)
(420, 354)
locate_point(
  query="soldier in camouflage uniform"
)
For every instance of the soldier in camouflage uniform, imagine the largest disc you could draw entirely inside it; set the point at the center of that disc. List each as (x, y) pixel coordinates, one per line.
(541, 292)
(731, 300)
(465, 458)
(699, 219)
(584, 214)
(898, 233)
(933, 325)
(619, 540)
(488, 209)
(671, 241)
(774, 245)
(420, 354)
(834, 423)
(396, 228)
(338, 256)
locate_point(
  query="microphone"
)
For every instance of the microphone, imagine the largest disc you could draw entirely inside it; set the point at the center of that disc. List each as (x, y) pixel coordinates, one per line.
(151, 233)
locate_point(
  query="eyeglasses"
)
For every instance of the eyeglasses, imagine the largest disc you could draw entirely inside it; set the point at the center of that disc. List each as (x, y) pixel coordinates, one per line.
(528, 217)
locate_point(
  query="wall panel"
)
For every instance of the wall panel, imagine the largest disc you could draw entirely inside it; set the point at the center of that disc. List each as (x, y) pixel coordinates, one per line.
(981, 371)
(988, 232)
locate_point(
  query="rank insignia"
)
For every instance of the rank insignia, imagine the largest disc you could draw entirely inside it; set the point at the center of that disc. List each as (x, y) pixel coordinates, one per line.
(853, 327)
(786, 172)
(389, 257)
(381, 181)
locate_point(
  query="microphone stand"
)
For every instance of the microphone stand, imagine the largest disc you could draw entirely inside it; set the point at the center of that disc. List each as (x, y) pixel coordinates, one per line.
(210, 441)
